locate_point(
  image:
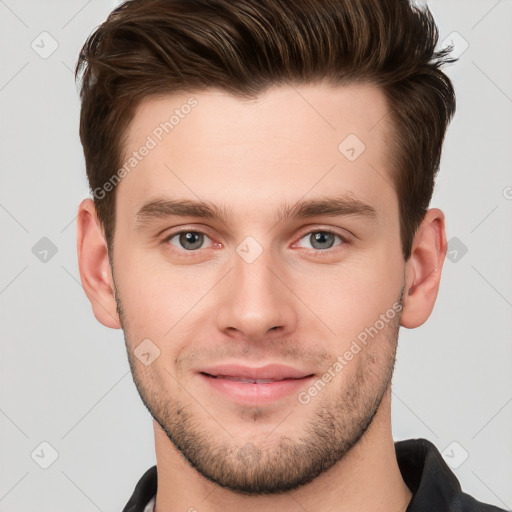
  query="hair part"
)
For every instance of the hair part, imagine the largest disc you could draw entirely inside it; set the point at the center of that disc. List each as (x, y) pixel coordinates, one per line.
(149, 48)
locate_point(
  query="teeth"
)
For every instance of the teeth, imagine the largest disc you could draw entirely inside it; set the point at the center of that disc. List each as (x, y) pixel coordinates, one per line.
(241, 379)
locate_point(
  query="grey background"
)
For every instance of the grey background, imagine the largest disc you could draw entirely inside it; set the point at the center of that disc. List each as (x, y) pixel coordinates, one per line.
(64, 378)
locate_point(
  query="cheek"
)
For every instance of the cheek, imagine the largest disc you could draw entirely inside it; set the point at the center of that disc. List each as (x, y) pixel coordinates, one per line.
(351, 298)
(156, 296)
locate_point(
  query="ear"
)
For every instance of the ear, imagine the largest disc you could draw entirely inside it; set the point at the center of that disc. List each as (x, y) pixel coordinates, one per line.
(423, 269)
(93, 263)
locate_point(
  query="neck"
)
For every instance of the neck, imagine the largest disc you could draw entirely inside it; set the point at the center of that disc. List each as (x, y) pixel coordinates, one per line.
(367, 478)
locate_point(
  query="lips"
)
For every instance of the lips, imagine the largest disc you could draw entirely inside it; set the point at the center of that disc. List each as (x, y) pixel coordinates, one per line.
(258, 375)
(251, 386)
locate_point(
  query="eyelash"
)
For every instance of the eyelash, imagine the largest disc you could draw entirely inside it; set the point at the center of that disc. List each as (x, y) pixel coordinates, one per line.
(316, 252)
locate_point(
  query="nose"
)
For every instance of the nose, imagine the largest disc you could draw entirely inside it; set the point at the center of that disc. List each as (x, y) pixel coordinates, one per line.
(256, 300)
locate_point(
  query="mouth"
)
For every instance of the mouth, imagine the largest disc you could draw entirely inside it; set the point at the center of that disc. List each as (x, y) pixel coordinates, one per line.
(243, 379)
(269, 372)
(255, 386)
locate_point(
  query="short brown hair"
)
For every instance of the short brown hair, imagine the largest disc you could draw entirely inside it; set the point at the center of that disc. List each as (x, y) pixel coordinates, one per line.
(153, 47)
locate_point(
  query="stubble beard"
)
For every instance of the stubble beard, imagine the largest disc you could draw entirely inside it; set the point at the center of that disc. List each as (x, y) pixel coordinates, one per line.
(277, 463)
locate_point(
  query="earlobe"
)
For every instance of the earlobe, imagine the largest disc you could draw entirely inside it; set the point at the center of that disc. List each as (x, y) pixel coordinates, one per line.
(423, 269)
(93, 263)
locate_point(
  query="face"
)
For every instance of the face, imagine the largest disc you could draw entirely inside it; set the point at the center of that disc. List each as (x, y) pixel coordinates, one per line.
(261, 332)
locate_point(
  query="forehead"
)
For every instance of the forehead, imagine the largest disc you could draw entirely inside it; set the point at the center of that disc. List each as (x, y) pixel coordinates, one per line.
(288, 142)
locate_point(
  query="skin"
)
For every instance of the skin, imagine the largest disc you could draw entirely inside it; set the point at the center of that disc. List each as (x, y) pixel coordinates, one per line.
(299, 303)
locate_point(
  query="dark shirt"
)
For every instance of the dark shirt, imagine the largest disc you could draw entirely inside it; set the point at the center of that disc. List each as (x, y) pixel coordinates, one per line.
(434, 486)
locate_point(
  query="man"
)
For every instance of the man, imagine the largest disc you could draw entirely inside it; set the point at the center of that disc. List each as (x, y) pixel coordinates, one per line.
(261, 173)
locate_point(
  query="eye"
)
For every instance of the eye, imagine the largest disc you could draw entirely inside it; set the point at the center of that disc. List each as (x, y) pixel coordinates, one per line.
(321, 240)
(188, 240)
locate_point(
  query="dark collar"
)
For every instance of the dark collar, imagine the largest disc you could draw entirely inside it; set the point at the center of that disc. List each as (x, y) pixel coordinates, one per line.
(144, 491)
(431, 481)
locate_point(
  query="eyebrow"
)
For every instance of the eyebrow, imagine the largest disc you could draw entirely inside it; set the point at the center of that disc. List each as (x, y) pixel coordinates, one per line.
(331, 207)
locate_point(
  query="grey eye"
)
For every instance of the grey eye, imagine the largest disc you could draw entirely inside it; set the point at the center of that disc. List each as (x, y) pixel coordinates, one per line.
(188, 240)
(319, 240)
